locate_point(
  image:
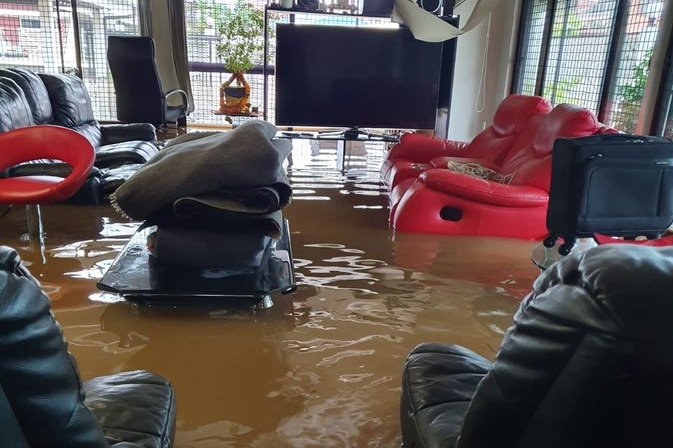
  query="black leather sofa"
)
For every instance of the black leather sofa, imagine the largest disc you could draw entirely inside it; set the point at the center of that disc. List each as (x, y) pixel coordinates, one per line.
(43, 403)
(587, 364)
(28, 99)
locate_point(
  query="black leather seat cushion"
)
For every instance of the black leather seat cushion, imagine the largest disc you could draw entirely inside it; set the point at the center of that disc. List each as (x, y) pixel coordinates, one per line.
(137, 407)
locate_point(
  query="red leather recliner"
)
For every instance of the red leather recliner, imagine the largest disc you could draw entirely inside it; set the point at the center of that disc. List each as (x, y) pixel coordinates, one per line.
(441, 201)
(418, 152)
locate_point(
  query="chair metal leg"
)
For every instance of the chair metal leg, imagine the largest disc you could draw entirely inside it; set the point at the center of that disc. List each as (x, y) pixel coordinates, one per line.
(35, 228)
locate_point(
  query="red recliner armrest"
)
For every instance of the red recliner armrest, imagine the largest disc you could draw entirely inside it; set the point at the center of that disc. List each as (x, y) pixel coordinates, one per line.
(485, 191)
(423, 148)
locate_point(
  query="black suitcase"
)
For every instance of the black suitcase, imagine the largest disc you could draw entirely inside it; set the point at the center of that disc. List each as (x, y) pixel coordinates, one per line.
(613, 184)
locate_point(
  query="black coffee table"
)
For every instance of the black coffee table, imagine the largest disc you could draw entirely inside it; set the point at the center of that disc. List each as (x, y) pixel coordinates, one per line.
(139, 277)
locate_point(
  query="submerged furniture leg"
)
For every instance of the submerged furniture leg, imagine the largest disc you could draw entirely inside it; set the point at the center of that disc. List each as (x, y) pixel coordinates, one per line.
(341, 154)
(35, 228)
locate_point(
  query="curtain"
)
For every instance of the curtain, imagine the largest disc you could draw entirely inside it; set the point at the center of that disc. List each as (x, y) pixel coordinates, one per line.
(176, 16)
(164, 21)
(145, 17)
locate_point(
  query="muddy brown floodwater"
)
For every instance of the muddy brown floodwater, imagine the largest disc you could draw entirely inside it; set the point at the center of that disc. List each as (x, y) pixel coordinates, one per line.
(322, 367)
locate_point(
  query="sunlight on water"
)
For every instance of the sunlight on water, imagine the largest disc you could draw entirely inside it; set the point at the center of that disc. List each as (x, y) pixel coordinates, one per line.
(322, 367)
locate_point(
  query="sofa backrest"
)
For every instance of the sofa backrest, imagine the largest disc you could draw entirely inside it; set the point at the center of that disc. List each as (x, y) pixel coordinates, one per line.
(71, 104)
(530, 156)
(14, 109)
(510, 119)
(35, 92)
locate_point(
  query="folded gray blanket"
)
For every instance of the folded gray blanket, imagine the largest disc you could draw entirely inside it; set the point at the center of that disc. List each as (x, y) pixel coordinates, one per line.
(241, 160)
(251, 200)
(195, 213)
(199, 248)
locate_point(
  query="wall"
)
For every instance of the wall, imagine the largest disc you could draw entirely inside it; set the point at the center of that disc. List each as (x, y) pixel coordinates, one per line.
(475, 99)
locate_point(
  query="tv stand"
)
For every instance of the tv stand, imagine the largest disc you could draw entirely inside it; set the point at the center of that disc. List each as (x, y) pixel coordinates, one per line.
(343, 138)
(354, 133)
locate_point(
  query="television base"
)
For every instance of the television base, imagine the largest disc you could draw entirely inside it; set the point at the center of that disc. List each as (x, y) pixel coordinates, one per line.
(355, 133)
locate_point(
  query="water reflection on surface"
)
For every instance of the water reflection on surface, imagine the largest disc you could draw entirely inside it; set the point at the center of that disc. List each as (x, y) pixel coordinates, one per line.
(322, 367)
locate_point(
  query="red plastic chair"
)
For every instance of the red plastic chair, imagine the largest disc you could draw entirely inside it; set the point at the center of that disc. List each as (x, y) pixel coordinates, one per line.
(39, 143)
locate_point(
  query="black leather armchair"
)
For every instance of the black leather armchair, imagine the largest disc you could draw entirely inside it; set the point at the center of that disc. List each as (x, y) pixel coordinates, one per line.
(42, 401)
(587, 364)
(140, 95)
(29, 99)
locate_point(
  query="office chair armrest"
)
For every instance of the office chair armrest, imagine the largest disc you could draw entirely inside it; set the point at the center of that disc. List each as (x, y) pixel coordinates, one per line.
(182, 93)
(118, 133)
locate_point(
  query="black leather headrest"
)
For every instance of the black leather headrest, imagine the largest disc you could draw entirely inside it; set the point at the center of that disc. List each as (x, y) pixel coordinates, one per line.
(14, 109)
(35, 92)
(69, 99)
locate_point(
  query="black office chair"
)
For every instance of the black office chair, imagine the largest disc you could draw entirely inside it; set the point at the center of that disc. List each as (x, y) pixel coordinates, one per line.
(140, 95)
(587, 364)
(377, 8)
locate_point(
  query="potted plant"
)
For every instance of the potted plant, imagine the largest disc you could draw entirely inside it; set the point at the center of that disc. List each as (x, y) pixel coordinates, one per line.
(240, 48)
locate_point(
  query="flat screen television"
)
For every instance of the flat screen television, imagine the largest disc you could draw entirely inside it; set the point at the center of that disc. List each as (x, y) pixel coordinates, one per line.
(355, 77)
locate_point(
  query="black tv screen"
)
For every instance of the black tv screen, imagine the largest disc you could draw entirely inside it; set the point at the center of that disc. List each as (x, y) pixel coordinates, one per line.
(338, 76)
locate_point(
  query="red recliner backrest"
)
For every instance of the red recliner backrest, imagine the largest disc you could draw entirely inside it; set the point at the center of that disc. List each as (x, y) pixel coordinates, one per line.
(491, 144)
(494, 142)
(530, 157)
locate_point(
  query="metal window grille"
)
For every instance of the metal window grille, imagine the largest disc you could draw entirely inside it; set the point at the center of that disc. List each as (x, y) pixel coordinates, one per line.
(206, 70)
(597, 54)
(578, 49)
(530, 46)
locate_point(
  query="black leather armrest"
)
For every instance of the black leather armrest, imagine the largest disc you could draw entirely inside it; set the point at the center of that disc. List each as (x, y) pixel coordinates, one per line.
(135, 151)
(437, 386)
(117, 133)
(134, 407)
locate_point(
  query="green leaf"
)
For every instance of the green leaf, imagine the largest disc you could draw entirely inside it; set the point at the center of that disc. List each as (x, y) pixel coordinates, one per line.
(241, 43)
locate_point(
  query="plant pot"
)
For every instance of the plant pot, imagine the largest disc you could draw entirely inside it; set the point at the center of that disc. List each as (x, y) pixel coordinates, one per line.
(235, 99)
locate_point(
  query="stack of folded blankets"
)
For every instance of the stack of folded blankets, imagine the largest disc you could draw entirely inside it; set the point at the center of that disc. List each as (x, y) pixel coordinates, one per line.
(215, 197)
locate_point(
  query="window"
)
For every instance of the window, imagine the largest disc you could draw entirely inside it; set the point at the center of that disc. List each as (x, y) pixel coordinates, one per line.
(592, 53)
(207, 72)
(54, 36)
